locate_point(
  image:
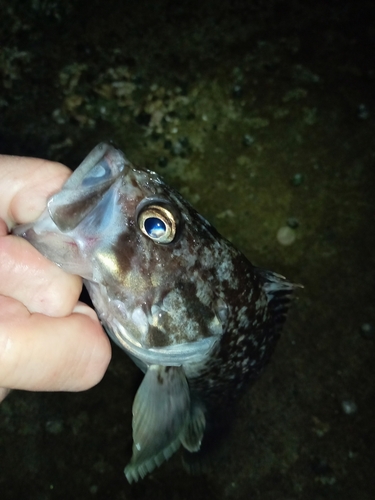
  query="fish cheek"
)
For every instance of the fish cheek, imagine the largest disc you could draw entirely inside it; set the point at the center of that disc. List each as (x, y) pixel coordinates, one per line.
(125, 249)
(196, 309)
(182, 317)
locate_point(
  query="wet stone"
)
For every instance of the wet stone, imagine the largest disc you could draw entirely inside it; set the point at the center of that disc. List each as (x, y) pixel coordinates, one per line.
(54, 426)
(248, 140)
(362, 112)
(292, 222)
(349, 407)
(181, 147)
(237, 91)
(297, 179)
(286, 236)
(368, 331)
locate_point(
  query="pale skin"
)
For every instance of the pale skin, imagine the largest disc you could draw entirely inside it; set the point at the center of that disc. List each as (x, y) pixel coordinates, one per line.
(49, 341)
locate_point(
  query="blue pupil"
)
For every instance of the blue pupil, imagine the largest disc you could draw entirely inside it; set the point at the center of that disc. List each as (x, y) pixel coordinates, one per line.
(155, 227)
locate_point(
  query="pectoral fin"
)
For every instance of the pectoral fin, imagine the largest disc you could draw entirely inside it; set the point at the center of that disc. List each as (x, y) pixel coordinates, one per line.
(161, 411)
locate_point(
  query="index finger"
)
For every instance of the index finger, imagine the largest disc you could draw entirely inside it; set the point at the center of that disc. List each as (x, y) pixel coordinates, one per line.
(25, 185)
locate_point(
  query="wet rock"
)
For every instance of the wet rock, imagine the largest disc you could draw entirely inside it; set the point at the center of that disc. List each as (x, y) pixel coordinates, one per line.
(349, 406)
(54, 426)
(368, 331)
(363, 112)
(297, 179)
(286, 236)
(292, 222)
(248, 140)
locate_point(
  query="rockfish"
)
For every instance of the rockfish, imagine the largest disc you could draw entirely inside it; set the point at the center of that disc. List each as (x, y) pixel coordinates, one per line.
(190, 310)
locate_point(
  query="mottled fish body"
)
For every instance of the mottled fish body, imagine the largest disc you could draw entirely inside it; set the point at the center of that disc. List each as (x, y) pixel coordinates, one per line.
(190, 310)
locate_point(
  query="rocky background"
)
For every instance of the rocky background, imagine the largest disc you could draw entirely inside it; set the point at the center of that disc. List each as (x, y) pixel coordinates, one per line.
(262, 113)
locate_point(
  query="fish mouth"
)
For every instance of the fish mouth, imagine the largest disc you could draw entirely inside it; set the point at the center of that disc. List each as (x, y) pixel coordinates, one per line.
(55, 245)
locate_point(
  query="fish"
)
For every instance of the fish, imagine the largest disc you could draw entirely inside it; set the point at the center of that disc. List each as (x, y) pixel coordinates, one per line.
(188, 308)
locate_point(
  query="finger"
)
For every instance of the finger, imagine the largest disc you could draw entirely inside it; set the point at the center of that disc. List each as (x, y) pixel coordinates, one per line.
(3, 228)
(41, 353)
(26, 183)
(35, 281)
(3, 393)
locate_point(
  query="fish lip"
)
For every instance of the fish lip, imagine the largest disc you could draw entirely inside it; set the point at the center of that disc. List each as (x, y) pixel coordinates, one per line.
(22, 230)
(39, 238)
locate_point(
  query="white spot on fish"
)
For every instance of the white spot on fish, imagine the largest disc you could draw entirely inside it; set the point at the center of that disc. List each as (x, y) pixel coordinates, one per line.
(140, 320)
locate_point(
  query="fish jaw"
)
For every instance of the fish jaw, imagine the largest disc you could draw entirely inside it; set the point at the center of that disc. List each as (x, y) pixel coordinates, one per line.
(68, 230)
(80, 249)
(56, 246)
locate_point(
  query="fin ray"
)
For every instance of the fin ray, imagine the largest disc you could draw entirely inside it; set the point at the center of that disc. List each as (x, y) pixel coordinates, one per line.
(279, 292)
(161, 410)
(193, 435)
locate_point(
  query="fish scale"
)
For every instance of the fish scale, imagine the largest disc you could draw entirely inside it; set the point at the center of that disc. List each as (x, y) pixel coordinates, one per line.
(190, 310)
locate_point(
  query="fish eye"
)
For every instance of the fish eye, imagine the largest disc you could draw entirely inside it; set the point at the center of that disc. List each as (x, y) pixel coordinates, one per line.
(158, 223)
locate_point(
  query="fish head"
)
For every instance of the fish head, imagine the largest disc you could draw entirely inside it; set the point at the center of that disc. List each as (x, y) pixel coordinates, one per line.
(149, 260)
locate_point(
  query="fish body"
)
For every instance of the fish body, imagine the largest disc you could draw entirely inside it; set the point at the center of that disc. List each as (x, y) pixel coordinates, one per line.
(190, 310)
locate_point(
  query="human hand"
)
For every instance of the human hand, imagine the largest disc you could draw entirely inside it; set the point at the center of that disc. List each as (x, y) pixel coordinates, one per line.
(48, 340)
